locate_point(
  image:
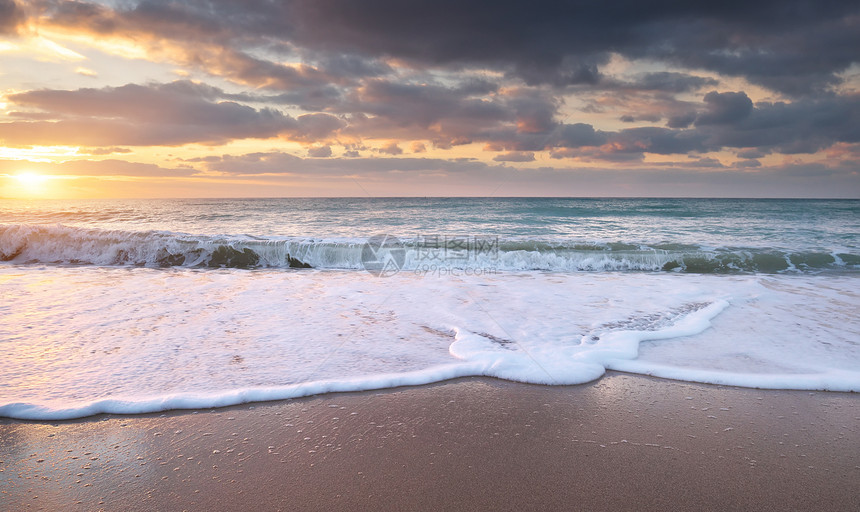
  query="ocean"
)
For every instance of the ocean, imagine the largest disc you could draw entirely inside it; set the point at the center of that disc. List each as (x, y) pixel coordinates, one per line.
(134, 306)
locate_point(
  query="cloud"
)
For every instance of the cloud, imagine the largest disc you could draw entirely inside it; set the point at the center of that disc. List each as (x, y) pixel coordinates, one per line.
(86, 72)
(670, 81)
(454, 73)
(242, 43)
(662, 141)
(752, 153)
(726, 107)
(803, 126)
(515, 156)
(423, 105)
(576, 135)
(796, 48)
(391, 149)
(350, 66)
(11, 16)
(447, 115)
(681, 120)
(319, 152)
(420, 176)
(110, 167)
(515, 120)
(706, 162)
(315, 127)
(571, 80)
(747, 164)
(579, 135)
(285, 163)
(157, 114)
(107, 151)
(730, 120)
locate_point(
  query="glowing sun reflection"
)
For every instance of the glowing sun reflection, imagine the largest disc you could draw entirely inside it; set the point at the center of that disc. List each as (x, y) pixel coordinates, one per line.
(30, 183)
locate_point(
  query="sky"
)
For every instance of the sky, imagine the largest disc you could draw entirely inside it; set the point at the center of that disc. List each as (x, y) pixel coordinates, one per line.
(266, 98)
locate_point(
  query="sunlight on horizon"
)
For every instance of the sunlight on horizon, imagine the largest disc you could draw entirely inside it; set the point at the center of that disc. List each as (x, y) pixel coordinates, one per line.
(27, 184)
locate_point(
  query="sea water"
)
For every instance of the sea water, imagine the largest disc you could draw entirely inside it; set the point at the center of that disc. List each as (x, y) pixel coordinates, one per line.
(131, 306)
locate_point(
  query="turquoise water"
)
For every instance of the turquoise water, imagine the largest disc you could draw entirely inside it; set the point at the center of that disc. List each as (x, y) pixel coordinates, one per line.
(692, 235)
(133, 306)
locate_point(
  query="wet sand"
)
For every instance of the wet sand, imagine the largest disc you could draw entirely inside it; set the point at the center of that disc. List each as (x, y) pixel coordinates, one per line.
(624, 442)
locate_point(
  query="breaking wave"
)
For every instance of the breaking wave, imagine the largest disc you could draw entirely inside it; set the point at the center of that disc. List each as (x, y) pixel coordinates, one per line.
(60, 244)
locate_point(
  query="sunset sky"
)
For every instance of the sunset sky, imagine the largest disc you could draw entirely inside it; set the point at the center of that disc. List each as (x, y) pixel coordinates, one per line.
(218, 98)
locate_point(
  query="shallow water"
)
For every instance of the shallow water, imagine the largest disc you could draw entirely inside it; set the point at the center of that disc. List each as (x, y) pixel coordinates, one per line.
(98, 313)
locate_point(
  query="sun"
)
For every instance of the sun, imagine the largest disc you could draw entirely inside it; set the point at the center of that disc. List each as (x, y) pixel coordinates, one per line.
(31, 184)
(29, 179)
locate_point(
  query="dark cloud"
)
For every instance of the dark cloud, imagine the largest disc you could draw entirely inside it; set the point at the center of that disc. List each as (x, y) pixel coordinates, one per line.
(662, 141)
(535, 111)
(262, 73)
(319, 152)
(157, 114)
(803, 126)
(672, 82)
(725, 107)
(752, 153)
(795, 46)
(706, 162)
(722, 120)
(681, 120)
(350, 66)
(651, 118)
(730, 120)
(515, 156)
(220, 38)
(579, 135)
(422, 105)
(173, 103)
(568, 136)
(800, 52)
(747, 164)
(314, 127)
(536, 56)
(170, 20)
(446, 115)
(450, 73)
(515, 120)
(570, 71)
(662, 81)
(11, 16)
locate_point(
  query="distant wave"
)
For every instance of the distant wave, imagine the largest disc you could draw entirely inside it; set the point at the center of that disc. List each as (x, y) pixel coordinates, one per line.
(60, 244)
(70, 245)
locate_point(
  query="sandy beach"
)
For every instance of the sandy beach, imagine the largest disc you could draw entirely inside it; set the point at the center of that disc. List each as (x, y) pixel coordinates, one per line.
(621, 443)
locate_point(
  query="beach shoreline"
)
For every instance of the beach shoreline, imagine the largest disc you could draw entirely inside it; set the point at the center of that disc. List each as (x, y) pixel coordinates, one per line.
(624, 442)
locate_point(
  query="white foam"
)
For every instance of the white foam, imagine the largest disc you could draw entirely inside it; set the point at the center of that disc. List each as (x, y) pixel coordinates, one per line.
(26, 243)
(83, 340)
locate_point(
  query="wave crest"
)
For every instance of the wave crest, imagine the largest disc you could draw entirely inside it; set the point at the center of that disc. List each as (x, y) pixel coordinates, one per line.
(60, 244)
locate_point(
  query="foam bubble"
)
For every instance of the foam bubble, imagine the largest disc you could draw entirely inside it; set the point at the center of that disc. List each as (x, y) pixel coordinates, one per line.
(24, 243)
(83, 340)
